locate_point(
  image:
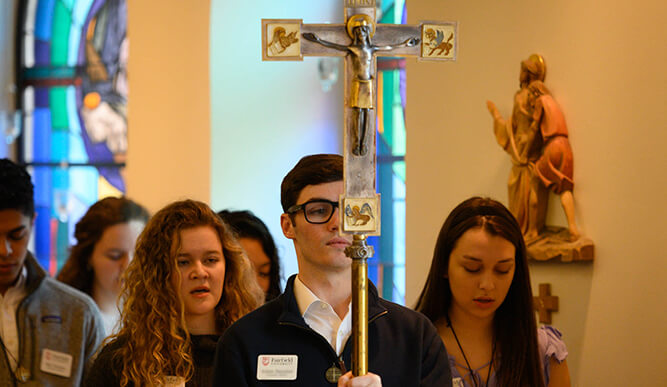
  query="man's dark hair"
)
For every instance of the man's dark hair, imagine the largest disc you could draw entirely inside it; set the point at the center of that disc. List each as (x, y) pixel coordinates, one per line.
(310, 170)
(16, 189)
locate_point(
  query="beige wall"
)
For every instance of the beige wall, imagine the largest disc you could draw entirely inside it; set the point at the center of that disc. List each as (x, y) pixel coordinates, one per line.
(606, 69)
(168, 113)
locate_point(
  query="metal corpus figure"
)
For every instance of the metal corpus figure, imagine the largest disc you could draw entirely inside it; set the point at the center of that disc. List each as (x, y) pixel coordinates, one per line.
(361, 29)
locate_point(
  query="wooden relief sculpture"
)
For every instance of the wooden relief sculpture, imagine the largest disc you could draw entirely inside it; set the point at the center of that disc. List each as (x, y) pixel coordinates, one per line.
(536, 138)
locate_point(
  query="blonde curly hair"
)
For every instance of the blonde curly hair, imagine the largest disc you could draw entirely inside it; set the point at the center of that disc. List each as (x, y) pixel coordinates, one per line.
(152, 324)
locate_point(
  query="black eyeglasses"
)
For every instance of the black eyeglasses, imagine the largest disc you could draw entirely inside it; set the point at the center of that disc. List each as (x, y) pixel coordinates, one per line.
(316, 211)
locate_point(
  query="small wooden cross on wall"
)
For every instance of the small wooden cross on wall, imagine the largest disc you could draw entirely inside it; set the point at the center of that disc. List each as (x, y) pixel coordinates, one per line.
(545, 303)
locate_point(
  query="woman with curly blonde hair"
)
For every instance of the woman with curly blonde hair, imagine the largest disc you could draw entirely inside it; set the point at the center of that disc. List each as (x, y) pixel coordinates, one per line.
(189, 280)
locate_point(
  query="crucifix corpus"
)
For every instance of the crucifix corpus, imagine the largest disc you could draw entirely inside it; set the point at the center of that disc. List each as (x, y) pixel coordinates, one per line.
(360, 40)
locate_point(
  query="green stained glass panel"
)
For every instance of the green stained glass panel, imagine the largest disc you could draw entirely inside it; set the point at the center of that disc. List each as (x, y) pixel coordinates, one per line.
(399, 169)
(69, 4)
(388, 94)
(62, 245)
(58, 103)
(60, 36)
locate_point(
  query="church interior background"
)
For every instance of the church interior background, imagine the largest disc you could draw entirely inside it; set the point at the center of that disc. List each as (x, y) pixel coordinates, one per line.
(208, 120)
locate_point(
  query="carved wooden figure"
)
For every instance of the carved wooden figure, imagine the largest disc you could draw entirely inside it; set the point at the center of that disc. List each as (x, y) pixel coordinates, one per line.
(536, 138)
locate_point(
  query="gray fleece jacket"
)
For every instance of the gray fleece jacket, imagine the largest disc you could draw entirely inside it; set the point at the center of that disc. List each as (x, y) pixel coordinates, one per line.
(56, 317)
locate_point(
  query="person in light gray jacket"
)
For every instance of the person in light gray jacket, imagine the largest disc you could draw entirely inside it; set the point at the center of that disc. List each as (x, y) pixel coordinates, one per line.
(48, 330)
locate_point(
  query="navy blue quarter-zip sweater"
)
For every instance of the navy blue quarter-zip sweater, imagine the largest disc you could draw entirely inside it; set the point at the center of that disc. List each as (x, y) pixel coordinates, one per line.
(404, 348)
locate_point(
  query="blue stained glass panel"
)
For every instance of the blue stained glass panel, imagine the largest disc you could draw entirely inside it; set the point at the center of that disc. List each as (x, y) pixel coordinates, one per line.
(41, 135)
(80, 12)
(60, 178)
(41, 97)
(80, 178)
(42, 181)
(44, 19)
(73, 45)
(73, 158)
(59, 145)
(43, 237)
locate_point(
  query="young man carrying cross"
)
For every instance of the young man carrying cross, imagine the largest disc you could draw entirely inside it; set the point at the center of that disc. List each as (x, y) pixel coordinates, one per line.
(302, 338)
(48, 330)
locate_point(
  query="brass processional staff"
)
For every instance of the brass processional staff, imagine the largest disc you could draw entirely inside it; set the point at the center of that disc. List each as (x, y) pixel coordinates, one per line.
(360, 40)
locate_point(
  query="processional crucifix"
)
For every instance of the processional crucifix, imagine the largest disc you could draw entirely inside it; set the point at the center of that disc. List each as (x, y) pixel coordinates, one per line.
(360, 40)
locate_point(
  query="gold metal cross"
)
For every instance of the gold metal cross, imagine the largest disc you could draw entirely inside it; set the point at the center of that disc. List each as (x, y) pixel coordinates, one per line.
(360, 40)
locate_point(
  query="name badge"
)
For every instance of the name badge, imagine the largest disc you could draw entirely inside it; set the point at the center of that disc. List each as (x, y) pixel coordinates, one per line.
(457, 382)
(277, 367)
(56, 363)
(174, 381)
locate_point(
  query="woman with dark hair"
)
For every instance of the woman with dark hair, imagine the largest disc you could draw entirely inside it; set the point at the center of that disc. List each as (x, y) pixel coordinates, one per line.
(105, 237)
(256, 240)
(188, 282)
(478, 295)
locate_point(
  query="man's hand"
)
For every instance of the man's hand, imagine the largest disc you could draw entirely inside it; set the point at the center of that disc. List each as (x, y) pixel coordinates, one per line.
(368, 380)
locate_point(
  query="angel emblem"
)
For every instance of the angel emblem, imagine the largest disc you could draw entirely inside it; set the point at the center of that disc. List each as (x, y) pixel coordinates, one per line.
(357, 217)
(281, 40)
(436, 41)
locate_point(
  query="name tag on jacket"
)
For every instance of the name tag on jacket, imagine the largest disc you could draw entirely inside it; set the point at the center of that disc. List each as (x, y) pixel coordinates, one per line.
(277, 367)
(56, 363)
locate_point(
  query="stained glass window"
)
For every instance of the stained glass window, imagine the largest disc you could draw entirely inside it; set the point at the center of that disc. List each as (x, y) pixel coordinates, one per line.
(72, 83)
(387, 267)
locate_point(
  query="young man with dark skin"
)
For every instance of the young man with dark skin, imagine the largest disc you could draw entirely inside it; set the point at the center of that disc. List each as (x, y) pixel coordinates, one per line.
(302, 338)
(48, 330)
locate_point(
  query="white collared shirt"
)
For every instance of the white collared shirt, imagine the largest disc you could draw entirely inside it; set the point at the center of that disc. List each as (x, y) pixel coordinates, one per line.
(9, 304)
(322, 318)
(110, 321)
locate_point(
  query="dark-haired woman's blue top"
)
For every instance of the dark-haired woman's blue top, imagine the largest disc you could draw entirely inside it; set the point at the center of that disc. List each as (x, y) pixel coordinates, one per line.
(550, 345)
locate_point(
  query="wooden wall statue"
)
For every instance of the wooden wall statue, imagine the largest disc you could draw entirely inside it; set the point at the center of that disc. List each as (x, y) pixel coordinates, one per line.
(536, 138)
